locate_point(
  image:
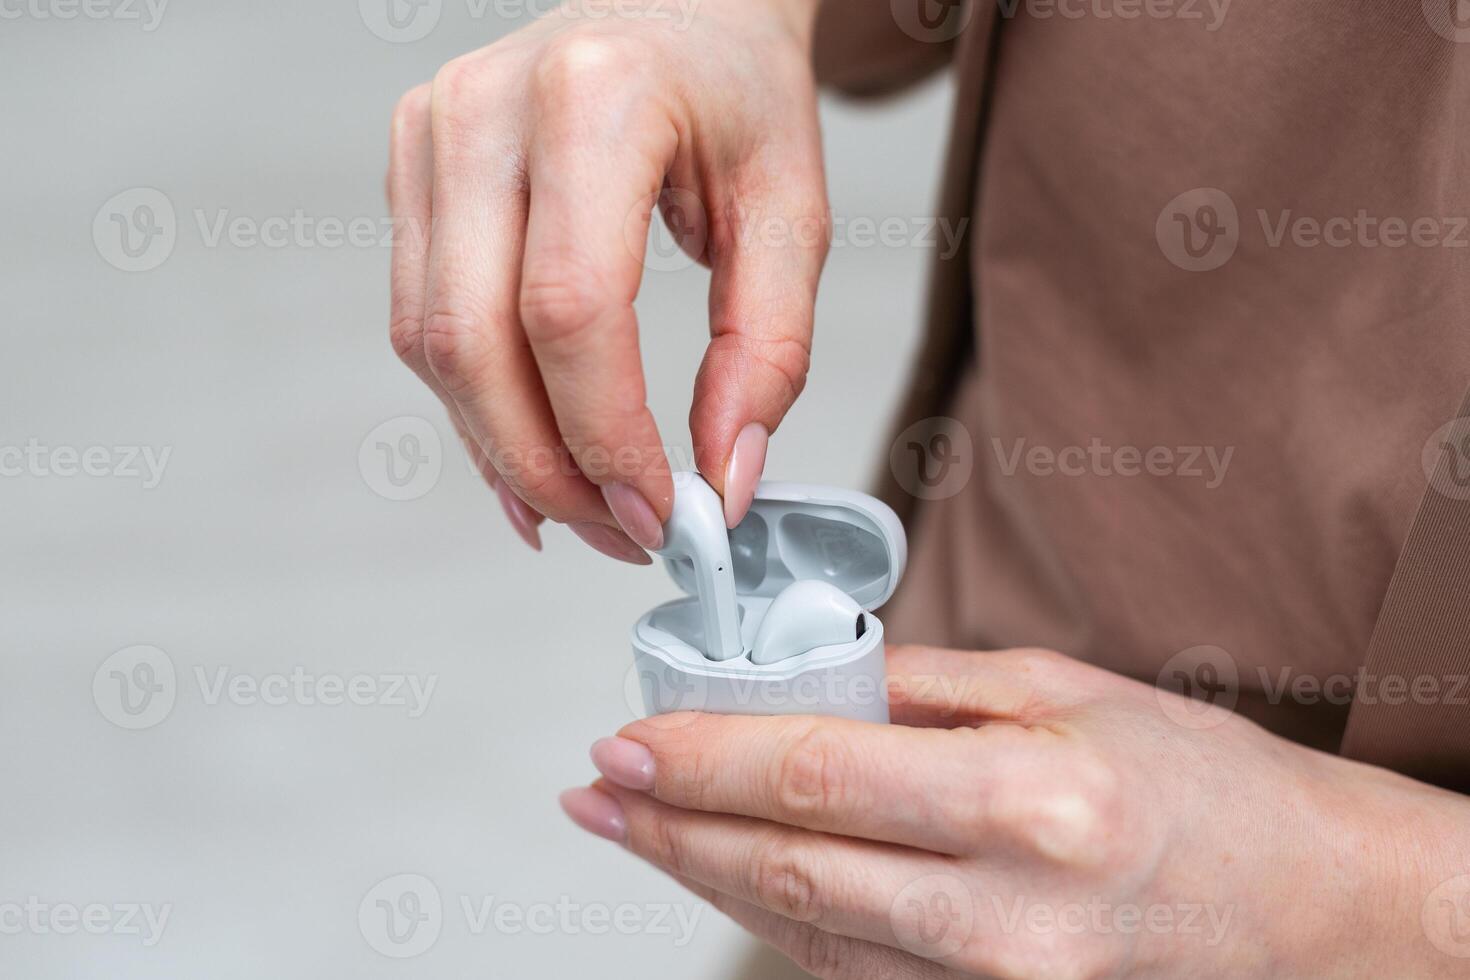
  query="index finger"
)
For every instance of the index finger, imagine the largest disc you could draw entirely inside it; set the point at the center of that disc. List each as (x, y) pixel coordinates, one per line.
(590, 173)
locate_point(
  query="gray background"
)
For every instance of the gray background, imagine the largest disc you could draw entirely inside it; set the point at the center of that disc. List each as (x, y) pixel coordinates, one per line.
(265, 548)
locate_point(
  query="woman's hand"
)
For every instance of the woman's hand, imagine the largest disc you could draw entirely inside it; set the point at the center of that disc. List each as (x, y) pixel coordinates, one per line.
(1028, 815)
(522, 182)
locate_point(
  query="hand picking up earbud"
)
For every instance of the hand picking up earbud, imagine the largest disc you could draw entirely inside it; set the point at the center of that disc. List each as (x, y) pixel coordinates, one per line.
(778, 606)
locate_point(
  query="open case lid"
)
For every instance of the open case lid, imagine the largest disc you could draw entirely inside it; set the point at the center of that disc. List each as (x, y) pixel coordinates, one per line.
(798, 531)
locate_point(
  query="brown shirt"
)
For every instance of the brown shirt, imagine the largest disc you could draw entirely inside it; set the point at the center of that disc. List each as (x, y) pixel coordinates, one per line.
(1219, 278)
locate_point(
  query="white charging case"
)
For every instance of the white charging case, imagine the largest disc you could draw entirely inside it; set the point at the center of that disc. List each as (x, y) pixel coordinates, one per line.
(793, 532)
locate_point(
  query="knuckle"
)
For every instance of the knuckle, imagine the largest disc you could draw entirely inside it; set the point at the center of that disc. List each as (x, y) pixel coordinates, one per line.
(1049, 678)
(450, 345)
(581, 64)
(540, 475)
(1056, 957)
(1060, 825)
(411, 113)
(688, 780)
(557, 310)
(535, 483)
(775, 366)
(788, 358)
(814, 213)
(1074, 822)
(809, 778)
(667, 844)
(1091, 962)
(1036, 659)
(1076, 961)
(784, 882)
(1107, 843)
(823, 954)
(460, 115)
(406, 333)
(454, 87)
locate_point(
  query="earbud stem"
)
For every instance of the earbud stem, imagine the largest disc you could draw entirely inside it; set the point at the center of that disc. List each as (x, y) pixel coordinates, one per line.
(696, 531)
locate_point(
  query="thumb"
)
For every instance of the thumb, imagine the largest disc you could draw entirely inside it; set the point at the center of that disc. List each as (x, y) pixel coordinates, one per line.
(766, 260)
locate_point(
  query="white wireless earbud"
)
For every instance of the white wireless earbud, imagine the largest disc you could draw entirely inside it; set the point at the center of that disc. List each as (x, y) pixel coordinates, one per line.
(696, 531)
(807, 614)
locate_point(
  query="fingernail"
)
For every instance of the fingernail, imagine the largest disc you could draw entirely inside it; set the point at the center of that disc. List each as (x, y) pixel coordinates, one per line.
(520, 515)
(635, 515)
(624, 761)
(595, 812)
(743, 472)
(614, 544)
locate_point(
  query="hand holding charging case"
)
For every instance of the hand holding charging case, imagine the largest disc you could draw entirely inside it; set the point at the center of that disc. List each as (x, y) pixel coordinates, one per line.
(793, 533)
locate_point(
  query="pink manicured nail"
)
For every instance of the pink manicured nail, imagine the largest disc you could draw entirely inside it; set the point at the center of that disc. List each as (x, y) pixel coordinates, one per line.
(612, 543)
(521, 516)
(743, 472)
(624, 761)
(595, 812)
(635, 514)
